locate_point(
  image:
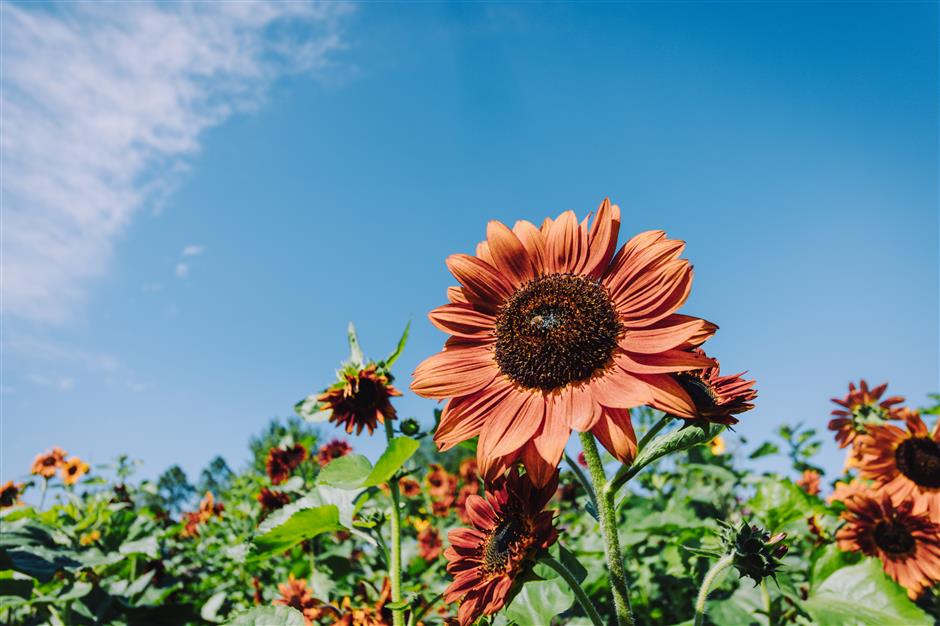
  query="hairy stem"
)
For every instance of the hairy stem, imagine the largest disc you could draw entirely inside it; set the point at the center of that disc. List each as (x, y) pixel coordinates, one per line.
(608, 520)
(707, 583)
(394, 573)
(575, 586)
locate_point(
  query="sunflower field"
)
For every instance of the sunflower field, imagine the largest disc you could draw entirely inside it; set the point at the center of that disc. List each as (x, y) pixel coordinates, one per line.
(583, 469)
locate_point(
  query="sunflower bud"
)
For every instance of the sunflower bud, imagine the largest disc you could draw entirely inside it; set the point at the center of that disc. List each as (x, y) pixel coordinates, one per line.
(410, 427)
(756, 552)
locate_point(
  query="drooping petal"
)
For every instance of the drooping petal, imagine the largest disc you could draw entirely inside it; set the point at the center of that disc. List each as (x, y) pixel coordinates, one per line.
(543, 453)
(464, 416)
(617, 388)
(669, 396)
(615, 432)
(663, 362)
(512, 424)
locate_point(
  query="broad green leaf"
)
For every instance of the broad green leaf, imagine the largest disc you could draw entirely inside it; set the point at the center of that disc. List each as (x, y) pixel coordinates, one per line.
(292, 524)
(270, 616)
(861, 595)
(676, 441)
(355, 352)
(828, 559)
(147, 546)
(354, 471)
(398, 349)
(741, 608)
(778, 502)
(766, 449)
(399, 450)
(539, 602)
(38, 562)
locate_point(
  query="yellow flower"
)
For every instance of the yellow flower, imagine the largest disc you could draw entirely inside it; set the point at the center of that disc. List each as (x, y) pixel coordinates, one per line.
(89, 538)
(717, 445)
(420, 524)
(73, 469)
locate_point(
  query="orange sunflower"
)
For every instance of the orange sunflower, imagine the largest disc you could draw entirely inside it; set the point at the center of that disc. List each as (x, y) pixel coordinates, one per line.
(809, 482)
(862, 406)
(510, 526)
(843, 491)
(907, 544)
(904, 464)
(73, 469)
(553, 332)
(429, 544)
(272, 500)
(360, 399)
(714, 398)
(332, 450)
(296, 594)
(46, 464)
(10, 494)
(282, 461)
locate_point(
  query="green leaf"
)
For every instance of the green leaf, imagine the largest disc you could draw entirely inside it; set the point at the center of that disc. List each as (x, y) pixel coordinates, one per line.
(147, 546)
(828, 559)
(399, 450)
(539, 602)
(270, 616)
(766, 449)
(354, 471)
(355, 352)
(210, 610)
(292, 524)
(778, 502)
(401, 346)
(861, 595)
(309, 409)
(38, 562)
(676, 441)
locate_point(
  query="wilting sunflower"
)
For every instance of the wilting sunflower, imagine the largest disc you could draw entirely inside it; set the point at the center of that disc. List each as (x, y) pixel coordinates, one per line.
(48, 463)
(714, 398)
(73, 469)
(907, 544)
(861, 407)
(272, 500)
(809, 482)
(904, 464)
(510, 526)
(360, 399)
(296, 594)
(552, 332)
(282, 461)
(10, 494)
(332, 450)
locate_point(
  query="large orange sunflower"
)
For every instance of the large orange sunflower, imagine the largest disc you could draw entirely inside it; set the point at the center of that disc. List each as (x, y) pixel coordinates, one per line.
(48, 463)
(907, 544)
(553, 332)
(510, 526)
(861, 407)
(904, 464)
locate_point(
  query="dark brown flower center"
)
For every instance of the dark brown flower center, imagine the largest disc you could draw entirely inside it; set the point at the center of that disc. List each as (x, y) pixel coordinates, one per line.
(502, 541)
(700, 391)
(8, 496)
(919, 459)
(367, 393)
(893, 538)
(556, 330)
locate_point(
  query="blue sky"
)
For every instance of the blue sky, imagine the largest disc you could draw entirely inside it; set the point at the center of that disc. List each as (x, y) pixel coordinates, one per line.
(188, 228)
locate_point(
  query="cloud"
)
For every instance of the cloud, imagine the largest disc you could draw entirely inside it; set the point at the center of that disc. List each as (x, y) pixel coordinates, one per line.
(102, 106)
(193, 250)
(182, 270)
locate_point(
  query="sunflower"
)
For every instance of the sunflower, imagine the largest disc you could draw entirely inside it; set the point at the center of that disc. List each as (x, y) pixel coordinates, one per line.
(552, 332)
(904, 464)
(843, 491)
(296, 594)
(809, 482)
(46, 464)
(409, 487)
(509, 527)
(376, 615)
(714, 398)
(430, 545)
(360, 399)
(333, 450)
(861, 407)
(73, 469)
(272, 500)
(10, 494)
(907, 544)
(282, 461)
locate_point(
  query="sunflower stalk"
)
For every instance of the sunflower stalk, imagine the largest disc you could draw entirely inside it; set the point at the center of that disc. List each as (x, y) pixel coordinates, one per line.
(712, 575)
(608, 521)
(575, 586)
(394, 573)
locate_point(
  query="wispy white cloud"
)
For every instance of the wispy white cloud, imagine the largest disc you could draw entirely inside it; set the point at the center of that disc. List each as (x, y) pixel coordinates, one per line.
(193, 250)
(182, 270)
(102, 104)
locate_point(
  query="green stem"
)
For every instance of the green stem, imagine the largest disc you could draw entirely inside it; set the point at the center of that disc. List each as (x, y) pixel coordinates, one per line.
(398, 616)
(313, 560)
(42, 498)
(653, 431)
(723, 564)
(608, 520)
(582, 479)
(575, 586)
(765, 596)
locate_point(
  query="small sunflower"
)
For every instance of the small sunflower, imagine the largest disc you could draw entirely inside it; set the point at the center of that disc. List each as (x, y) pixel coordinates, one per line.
(360, 400)
(430, 545)
(48, 463)
(272, 500)
(409, 487)
(809, 482)
(708, 395)
(73, 469)
(861, 407)
(10, 494)
(376, 615)
(282, 461)
(296, 594)
(553, 332)
(907, 544)
(509, 527)
(333, 450)
(904, 463)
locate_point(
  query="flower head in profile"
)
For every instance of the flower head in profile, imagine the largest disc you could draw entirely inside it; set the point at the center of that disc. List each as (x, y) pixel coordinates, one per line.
(272, 500)
(296, 594)
(907, 544)
(714, 398)
(282, 461)
(756, 553)
(904, 463)
(333, 450)
(430, 545)
(73, 469)
(553, 332)
(509, 526)
(861, 407)
(48, 463)
(10, 494)
(809, 482)
(360, 400)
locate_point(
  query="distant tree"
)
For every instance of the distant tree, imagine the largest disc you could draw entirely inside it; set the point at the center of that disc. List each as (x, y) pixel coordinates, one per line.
(216, 477)
(174, 488)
